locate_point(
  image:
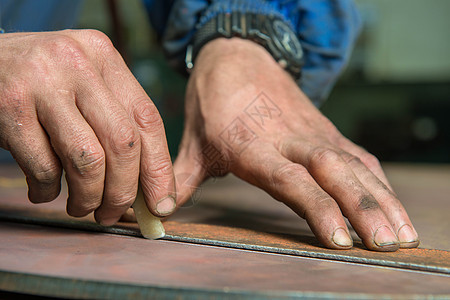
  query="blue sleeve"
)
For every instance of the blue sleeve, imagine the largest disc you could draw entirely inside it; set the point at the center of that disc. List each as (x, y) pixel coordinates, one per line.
(327, 30)
(38, 15)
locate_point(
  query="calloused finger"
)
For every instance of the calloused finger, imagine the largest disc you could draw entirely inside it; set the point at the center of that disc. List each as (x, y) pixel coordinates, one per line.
(336, 177)
(79, 151)
(121, 143)
(388, 201)
(30, 147)
(156, 171)
(291, 184)
(157, 175)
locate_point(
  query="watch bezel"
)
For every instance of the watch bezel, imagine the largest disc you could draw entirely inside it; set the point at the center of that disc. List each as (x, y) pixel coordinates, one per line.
(293, 62)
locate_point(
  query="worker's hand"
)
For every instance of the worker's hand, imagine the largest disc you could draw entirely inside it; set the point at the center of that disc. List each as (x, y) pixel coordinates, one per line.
(245, 114)
(68, 101)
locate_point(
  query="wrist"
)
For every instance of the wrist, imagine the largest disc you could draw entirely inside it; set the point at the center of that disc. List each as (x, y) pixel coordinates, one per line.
(234, 53)
(230, 70)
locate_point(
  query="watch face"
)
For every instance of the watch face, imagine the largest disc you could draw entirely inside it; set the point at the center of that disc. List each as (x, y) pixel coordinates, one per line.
(287, 39)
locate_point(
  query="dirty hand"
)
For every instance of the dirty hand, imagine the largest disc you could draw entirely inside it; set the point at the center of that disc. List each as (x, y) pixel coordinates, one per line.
(68, 101)
(245, 115)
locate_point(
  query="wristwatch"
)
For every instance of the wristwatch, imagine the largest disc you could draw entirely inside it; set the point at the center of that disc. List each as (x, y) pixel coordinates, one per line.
(270, 31)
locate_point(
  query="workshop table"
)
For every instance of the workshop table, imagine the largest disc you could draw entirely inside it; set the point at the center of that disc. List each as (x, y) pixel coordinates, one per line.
(230, 241)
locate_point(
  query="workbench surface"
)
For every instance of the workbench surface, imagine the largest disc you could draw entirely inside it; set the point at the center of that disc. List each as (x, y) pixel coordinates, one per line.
(233, 240)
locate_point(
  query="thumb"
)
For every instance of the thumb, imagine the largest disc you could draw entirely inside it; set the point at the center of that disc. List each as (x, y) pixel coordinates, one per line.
(189, 174)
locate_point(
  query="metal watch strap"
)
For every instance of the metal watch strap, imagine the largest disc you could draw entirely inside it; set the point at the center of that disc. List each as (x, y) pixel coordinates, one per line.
(229, 25)
(245, 25)
(223, 25)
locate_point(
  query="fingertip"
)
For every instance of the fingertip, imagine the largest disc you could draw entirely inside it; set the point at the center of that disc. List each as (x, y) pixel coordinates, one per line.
(42, 189)
(341, 239)
(37, 196)
(156, 184)
(410, 245)
(75, 211)
(110, 212)
(80, 205)
(107, 215)
(107, 221)
(408, 237)
(165, 206)
(161, 202)
(387, 247)
(384, 240)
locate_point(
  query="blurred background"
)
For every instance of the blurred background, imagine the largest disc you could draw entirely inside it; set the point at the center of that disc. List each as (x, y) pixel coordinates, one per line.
(393, 99)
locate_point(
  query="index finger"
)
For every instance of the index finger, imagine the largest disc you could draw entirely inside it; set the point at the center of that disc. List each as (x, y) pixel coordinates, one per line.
(156, 171)
(157, 176)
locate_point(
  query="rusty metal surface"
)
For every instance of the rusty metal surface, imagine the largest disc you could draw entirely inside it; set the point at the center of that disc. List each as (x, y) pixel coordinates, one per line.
(102, 265)
(235, 214)
(423, 189)
(429, 260)
(230, 213)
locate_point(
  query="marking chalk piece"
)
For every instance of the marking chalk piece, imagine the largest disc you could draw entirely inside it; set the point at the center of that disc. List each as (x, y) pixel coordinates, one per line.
(151, 227)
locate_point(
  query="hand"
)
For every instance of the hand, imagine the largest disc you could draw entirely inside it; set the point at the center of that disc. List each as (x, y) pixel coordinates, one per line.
(245, 114)
(68, 101)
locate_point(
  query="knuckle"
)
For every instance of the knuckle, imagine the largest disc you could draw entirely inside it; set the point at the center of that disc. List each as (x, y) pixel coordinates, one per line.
(321, 156)
(125, 139)
(370, 161)
(120, 201)
(96, 35)
(289, 173)
(147, 115)
(351, 159)
(64, 51)
(160, 166)
(157, 177)
(100, 41)
(88, 160)
(47, 174)
(65, 44)
(69, 51)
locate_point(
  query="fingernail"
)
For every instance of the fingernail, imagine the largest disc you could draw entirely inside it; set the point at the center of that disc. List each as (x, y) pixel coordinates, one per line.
(385, 237)
(165, 206)
(341, 238)
(407, 235)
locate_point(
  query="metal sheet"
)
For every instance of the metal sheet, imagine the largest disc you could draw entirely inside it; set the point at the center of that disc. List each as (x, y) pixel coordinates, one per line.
(423, 189)
(429, 260)
(66, 263)
(54, 261)
(220, 217)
